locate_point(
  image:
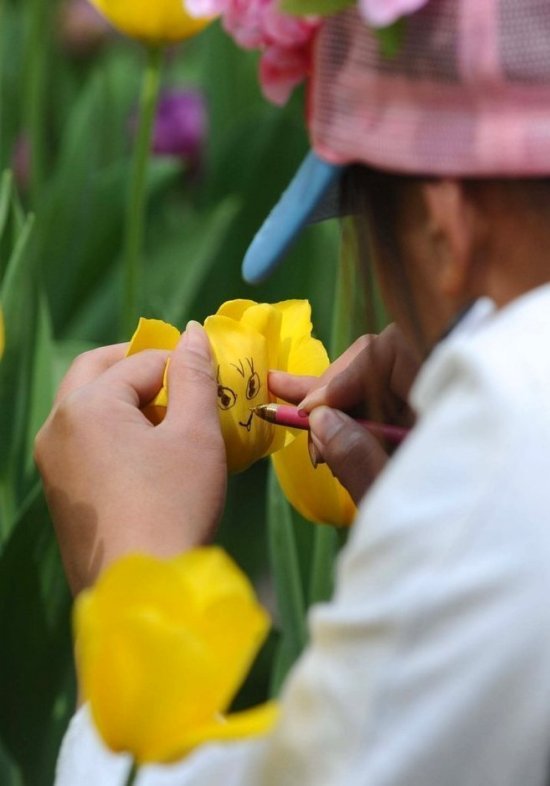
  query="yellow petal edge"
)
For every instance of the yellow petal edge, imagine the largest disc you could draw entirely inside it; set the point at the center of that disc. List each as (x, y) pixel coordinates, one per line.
(151, 21)
(162, 647)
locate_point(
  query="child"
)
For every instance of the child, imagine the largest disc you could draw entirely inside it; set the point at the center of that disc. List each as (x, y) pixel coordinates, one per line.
(430, 665)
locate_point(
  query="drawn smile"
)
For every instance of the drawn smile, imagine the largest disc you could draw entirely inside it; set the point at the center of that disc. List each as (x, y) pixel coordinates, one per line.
(248, 424)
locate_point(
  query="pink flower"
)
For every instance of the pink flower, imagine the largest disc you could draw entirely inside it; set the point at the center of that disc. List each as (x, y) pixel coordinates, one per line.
(381, 13)
(281, 70)
(284, 40)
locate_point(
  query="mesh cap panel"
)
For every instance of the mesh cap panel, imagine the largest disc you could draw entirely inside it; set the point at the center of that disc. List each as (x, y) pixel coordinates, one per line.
(467, 95)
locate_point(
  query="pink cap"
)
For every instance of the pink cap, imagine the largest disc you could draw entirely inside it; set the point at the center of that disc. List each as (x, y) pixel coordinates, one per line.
(468, 94)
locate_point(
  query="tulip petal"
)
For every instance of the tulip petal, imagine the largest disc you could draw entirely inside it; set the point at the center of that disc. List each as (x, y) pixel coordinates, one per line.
(296, 317)
(161, 21)
(127, 686)
(300, 353)
(239, 725)
(241, 357)
(162, 646)
(307, 356)
(262, 317)
(153, 334)
(234, 309)
(228, 616)
(315, 493)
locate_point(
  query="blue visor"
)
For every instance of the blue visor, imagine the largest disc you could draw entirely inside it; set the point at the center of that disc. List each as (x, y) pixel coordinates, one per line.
(310, 196)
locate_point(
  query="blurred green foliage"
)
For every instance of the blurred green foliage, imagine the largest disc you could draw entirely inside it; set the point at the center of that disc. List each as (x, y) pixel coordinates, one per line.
(60, 277)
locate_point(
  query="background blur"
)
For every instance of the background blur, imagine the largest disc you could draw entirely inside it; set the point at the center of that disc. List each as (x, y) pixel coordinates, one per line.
(68, 94)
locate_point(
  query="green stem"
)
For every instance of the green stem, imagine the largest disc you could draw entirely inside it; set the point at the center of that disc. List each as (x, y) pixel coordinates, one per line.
(132, 775)
(286, 574)
(325, 547)
(2, 51)
(7, 508)
(35, 93)
(135, 212)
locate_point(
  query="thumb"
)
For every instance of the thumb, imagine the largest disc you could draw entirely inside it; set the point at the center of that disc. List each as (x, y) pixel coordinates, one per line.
(192, 386)
(352, 453)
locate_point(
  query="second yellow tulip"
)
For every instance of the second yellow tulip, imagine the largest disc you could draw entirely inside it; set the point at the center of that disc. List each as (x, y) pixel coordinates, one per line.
(151, 21)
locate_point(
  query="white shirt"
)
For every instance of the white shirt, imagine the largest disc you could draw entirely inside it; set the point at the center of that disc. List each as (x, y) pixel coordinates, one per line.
(431, 665)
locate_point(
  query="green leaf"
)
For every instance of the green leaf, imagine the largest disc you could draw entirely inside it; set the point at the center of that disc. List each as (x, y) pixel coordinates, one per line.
(18, 302)
(10, 774)
(41, 386)
(391, 37)
(37, 689)
(315, 7)
(286, 576)
(5, 199)
(179, 266)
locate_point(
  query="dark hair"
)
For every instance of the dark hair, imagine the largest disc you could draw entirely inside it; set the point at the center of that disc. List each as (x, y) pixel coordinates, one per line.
(375, 198)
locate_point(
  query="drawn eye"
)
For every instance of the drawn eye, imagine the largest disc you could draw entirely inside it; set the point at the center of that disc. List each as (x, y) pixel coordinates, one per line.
(226, 397)
(253, 386)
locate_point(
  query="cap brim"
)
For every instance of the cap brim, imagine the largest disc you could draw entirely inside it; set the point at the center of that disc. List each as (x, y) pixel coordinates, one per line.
(312, 195)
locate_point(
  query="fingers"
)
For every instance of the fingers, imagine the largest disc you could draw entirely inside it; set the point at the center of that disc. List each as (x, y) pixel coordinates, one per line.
(89, 366)
(406, 363)
(345, 389)
(290, 387)
(376, 380)
(295, 388)
(341, 363)
(135, 379)
(192, 385)
(354, 456)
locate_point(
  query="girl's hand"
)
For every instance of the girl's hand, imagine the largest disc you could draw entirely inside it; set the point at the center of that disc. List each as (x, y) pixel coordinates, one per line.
(371, 379)
(117, 484)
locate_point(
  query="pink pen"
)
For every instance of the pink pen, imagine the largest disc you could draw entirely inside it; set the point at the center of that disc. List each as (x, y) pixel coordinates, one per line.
(292, 417)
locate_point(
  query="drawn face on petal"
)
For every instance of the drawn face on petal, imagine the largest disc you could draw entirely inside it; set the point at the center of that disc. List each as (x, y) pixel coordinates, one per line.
(241, 372)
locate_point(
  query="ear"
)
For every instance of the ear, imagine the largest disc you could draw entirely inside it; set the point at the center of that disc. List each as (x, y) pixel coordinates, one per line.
(452, 231)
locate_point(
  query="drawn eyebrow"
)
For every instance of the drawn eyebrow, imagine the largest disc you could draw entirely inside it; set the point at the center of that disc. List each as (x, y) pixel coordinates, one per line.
(240, 367)
(250, 362)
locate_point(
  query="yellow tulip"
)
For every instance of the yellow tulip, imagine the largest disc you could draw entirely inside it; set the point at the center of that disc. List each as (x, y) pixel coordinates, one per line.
(315, 493)
(247, 340)
(151, 21)
(162, 647)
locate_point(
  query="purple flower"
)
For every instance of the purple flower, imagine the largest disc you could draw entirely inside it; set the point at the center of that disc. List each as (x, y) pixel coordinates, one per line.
(181, 125)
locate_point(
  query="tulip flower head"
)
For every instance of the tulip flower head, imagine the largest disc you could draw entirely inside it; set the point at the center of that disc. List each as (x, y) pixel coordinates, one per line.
(248, 339)
(152, 21)
(162, 647)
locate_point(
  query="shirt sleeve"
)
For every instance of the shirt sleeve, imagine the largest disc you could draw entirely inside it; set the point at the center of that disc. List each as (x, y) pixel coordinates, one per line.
(430, 665)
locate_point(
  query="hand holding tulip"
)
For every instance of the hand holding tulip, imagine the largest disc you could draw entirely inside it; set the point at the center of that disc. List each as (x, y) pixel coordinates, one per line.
(372, 378)
(115, 483)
